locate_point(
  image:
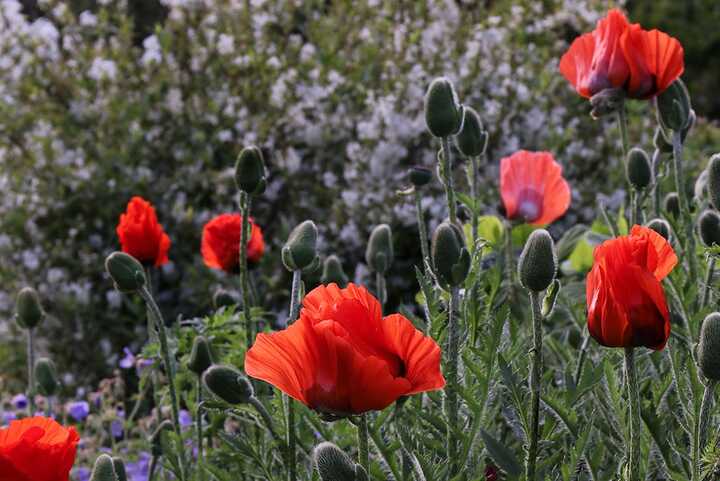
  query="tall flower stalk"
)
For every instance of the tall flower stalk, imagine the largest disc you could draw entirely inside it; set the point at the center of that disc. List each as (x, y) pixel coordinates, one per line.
(633, 448)
(28, 315)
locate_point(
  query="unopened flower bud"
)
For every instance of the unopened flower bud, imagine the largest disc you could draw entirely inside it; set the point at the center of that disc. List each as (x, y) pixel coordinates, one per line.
(28, 311)
(661, 226)
(443, 112)
(300, 249)
(333, 272)
(420, 176)
(451, 259)
(223, 298)
(228, 384)
(472, 139)
(200, 356)
(637, 169)
(333, 464)
(379, 254)
(672, 204)
(46, 376)
(538, 262)
(119, 466)
(126, 272)
(709, 227)
(103, 469)
(606, 102)
(708, 349)
(156, 441)
(713, 181)
(673, 107)
(661, 143)
(250, 170)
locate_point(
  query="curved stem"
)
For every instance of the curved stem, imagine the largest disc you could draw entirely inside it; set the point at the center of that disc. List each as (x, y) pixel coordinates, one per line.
(363, 450)
(267, 419)
(422, 229)
(153, 468)
(606, 218)
(31, 371)
(287, 401)
(581, 358)
(534, 382)
(633, 207)
(701, 427)
(451, 397)
(708, 282)
(633, 450)
(448, 179)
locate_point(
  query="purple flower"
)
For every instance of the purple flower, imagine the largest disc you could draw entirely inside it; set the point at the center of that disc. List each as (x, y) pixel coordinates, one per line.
(9, 416)
(116, 428)
(82, 474)
(186, 419)
(20, 401)
(138, 470)
(128, 361)
(78, 410)
(143, 364)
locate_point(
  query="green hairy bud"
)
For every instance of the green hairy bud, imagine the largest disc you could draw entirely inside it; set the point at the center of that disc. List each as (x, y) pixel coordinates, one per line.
(709, 227)
(46, 376)
(661, 226)
(119, 466)
(333, 272)
(126, 272)
(200, 356)
(672, 204)
(250, 171)
(333, 464)
(538, 262)
(451, 259)
(379, 253)
(228, 384)
(713, 181)
(472, 139)
(708, 349)
(661, 143)
(673, 107)
(637, 169)
(420, 176)
(300, 249)
(443, 112)
(28, 311)
(104, 469)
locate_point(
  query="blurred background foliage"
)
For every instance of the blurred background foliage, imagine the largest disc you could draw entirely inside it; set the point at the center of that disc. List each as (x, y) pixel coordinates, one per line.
(100, 101)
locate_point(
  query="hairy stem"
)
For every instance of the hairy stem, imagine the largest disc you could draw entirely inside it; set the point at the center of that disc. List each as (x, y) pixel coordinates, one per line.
(363, 450)
(633, 449)
(198, 424)
(451, 396)
(448, 179)
(291, 441)
(684, 204)
(244, 280)
(31, 371)
(381, 289)
(708, 282)
(534, 383)
(267, 419)
(422, 229)
(701, 426)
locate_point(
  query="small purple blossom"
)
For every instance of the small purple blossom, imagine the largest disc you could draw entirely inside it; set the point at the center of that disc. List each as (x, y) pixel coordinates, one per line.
(116, 428)
(20, 401)
(9, 416)
(82, 474)
(186, 419)
(78, 410)
(128, 361)
(138, 470)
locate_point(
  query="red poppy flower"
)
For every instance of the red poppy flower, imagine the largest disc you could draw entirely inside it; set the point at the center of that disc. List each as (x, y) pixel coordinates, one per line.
(342, 357)
(221, 242)
(532, 187)
(37, 449)
(141, 235)
(625, 299)
(621, 55)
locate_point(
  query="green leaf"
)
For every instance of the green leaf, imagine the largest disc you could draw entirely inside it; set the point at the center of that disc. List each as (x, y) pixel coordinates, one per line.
(566, 245)
(520, 233)
(503, 456)
(581, 259)
(491, 229)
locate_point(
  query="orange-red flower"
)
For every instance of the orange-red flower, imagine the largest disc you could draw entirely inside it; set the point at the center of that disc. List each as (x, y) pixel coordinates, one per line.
(533, 188)
(625, 299)
(342, 357)
(621, 55)
(141, 235)
(37, 449)
(221, 242)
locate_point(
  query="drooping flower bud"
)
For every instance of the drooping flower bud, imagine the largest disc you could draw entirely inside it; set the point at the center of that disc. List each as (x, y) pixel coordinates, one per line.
(333, 272)
(709, 227)
(606, 102)
(156, 441)
(200, 356)
(46, 376)
(661, 143)
(449, 255)
(228, 384)
(443, 112)
(223, 298)
(708, 349)
(103, 469)
(28, 311)
(637, 169)
(379, 254)
(661, 226)
(672, 204)
(673, 107)
(300, 249)
(472, 139)
(250, 170)
(420, 176)
(126, 272)
(538, 262)
(713, 181)
(333, 464)
(119, 466)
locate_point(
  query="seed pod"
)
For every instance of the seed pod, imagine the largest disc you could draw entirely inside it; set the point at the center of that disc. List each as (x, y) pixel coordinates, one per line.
(538, 262)
(379, 253)
(119, 466)
(661, 226)
(228, 384)
(713, 181)
(708, 349)
(709, 227)
(250, 170)
(606, 102)
(46, 376)
(333, 464)
(673, 107)
(637, 169)
(28, 311)
(300, 249)
(451, 259)
(333, 272)
(200, 356)
(443, 112)
(420, 176)
(672, 204)
(661, 143)
(156, 442)
(103, 469)
(127, 273)
(472, 139)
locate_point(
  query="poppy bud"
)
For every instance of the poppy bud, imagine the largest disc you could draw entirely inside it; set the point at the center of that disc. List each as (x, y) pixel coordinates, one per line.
(333, 272)
(708, 349)
(223, 298)
(709, 226)
(119, 466)
(126, 272)
(200, 356)
(46, 376)
(443, 112)
(228, 384)
(606, 102)
(672, 204)
(28, 311)
(472, 139)
(673, 107)
(713, 181)
(420, 176)
(449, 255)
(103, 469)
(333, 464)
(156, 437)
(661, 226)
(250, 170)
(538, 261)
(299, 251)
(637, 169)
(661, 142)
(379, 253)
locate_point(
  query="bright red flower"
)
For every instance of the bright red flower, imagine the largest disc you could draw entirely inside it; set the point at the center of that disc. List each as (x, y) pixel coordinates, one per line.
(625, 299)
(37, 449)
(621, 55)
(141, 235)
(221, 242)
(532, 187)
(342, 357)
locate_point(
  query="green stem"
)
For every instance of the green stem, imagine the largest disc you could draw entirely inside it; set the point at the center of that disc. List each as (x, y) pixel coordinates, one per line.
(451, 399)
(474, 194)
(267, 419)
(623, 124)
(448, 179)
(291, 442)
(701, 427)
(198, 424)
(509, 257)
(381, 289)
(606, 218)
(31, 371)
(363, 450)
(633, 206)
(581, 358)
(534, 383)
(656, 187)
(708, 282)
(244, 282)
(422, 229)
(153, 468)
(633, 450)
(684, 204)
